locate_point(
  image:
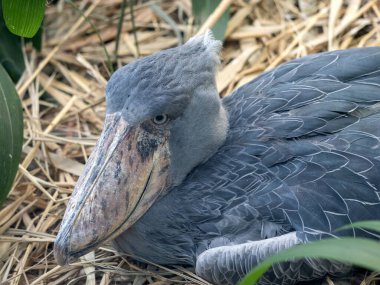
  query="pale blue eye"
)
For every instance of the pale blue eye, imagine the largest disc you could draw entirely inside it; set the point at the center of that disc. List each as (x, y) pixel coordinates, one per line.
(160, 119)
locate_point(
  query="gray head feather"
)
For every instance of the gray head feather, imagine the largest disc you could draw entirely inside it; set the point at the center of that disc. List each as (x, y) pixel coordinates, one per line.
(165, 81)
(178, 82)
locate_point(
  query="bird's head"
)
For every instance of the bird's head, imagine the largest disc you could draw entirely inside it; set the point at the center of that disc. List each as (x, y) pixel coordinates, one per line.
(164, 117)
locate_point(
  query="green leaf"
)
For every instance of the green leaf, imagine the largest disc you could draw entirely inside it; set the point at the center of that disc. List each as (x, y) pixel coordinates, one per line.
(204, 8)
(357, 251)
(368, 225)
(11, 133)
(10, 51)
(23, 17)
(37, 39)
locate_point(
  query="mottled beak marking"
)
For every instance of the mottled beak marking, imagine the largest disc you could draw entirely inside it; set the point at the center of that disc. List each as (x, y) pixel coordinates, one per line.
(124, 175)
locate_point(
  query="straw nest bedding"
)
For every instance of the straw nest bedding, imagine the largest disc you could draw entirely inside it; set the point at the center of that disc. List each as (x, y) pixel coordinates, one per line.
(62, 92)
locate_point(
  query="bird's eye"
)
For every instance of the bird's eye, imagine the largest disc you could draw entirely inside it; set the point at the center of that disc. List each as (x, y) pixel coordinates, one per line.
(160, 119)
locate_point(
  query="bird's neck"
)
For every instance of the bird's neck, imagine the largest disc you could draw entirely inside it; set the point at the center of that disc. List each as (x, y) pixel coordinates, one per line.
(198, 134)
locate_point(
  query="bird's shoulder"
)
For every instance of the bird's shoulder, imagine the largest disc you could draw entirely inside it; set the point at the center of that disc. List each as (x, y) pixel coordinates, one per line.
(312, 86)
(303, 147)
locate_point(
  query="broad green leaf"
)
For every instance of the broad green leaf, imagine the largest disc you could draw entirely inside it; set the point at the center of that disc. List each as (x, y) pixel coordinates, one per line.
(11, 133)
(368, 225)
(23, 17)
(203, 8)
(357, 251)
(10, 51)
(37, 39)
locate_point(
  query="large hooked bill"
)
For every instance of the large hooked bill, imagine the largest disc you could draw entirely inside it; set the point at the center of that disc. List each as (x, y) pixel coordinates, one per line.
(124, 175)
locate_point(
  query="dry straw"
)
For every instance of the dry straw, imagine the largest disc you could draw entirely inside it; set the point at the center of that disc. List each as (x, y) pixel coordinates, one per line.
(62, 92)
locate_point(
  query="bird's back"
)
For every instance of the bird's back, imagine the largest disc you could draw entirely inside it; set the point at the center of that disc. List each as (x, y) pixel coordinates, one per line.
(313, 124)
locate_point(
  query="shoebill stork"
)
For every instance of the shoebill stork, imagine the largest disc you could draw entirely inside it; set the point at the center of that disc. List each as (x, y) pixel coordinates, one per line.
(180, 176)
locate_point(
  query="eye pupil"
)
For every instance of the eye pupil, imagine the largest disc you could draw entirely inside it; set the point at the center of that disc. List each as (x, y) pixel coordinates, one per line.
(160, 119)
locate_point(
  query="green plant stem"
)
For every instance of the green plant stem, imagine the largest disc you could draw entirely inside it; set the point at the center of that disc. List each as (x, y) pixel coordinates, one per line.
(109, 62)
(120, 27)
(131, 3)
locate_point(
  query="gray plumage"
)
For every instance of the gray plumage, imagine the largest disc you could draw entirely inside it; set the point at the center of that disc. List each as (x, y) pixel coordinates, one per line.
(286, 159)
(179, 82)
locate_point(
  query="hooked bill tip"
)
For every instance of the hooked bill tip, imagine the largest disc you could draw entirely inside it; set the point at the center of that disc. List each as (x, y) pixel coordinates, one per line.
(61, 251)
